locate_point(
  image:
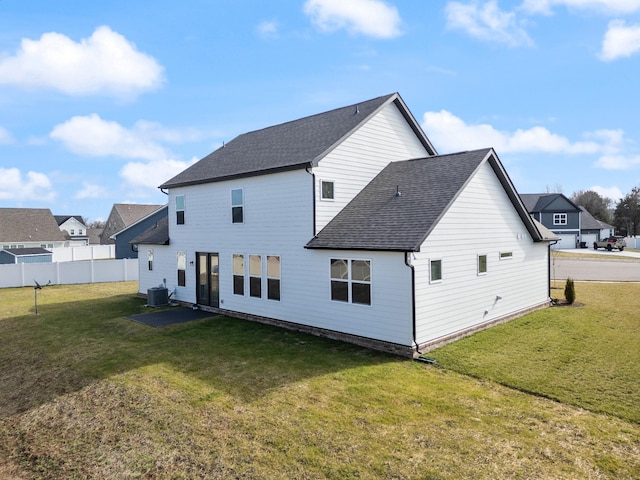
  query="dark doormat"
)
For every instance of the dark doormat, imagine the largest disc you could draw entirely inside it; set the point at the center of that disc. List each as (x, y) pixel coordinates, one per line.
(171, 317)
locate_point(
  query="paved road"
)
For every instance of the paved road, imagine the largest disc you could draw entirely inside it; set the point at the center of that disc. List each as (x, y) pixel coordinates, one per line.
(597, 269)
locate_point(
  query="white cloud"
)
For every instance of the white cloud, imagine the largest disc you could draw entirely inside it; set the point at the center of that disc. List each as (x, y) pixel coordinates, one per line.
(610, 7)
(33, 186)
(614, 193)
(105, 63)
(373, 18)
(92, 136)
(487, 22)
(5, 136)
(620, 41)
(450, 133)
(90, 190)
(152, 174)
(268, 29)
(618, 162)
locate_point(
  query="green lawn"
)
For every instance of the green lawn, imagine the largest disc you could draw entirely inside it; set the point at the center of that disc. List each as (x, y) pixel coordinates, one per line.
(86, 393)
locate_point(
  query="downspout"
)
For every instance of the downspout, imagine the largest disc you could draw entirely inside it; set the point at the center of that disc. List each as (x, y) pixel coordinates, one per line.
(407, 262)
(313, 201)
(549, 269)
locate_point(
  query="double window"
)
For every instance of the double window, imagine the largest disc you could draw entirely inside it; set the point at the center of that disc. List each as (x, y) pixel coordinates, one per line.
(351, 281)
(237, 205)
(180, 204)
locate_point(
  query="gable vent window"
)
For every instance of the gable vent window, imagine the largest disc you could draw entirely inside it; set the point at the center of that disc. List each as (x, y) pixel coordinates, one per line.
(559, 218)
(326, 190)
(237, 205)
(180, 209)
(351, 281)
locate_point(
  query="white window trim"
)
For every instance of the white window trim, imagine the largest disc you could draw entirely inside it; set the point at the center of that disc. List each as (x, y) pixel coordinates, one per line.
(486, 259)
(349, 281)
(506, 255)
(322, 198)
(234, 206)
(261, 275)
(431, 281)
(267, 277)
(560, 219)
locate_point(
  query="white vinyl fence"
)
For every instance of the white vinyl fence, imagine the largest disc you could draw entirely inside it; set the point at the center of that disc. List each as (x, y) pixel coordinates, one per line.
(64, 273)
(90, 252)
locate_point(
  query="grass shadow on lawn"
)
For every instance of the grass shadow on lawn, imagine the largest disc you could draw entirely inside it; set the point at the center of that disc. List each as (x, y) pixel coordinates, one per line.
(55, 353)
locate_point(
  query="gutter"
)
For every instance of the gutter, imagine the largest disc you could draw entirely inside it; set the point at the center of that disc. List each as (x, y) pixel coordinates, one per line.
(549, 268)
(407, 262)
(313, 200)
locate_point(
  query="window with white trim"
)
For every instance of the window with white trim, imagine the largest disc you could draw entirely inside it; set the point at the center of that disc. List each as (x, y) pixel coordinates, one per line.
(482, 264)
(150, 258)
(351, 281)
(255, 276)
(237, 205)
(326, 190)
(559, 218)
(273, 277)
(238, 274)
(435, 271)
(506, 255)
(180, 207)
(182, 269)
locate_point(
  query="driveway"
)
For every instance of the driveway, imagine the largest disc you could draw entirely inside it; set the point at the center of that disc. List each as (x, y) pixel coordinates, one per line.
(608, 267)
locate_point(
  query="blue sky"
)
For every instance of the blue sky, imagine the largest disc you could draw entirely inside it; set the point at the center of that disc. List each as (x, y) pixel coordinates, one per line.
(100, 102)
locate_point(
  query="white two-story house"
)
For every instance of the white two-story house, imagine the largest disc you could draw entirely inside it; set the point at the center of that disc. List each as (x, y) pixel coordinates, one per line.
(348, 224)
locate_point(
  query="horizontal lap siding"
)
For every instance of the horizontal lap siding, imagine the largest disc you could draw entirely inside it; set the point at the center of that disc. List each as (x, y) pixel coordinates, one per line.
(278, 221)
(481, 221)
(353, 164)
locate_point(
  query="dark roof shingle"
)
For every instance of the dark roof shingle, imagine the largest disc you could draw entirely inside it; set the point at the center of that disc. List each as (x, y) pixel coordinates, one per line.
(29, 225)
(157, 234)
(290, 145)
(378, 219)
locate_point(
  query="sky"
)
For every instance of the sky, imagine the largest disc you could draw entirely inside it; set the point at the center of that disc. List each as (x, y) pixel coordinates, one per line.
(101, 102)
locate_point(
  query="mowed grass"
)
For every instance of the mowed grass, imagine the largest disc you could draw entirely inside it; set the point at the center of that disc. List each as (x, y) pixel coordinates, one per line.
(86, 393)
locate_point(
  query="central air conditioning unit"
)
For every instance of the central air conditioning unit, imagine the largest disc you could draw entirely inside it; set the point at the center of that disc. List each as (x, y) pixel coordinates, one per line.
(157, 297)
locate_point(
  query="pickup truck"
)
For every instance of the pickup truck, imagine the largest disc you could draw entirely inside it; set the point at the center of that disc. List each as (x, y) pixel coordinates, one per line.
(611, 243)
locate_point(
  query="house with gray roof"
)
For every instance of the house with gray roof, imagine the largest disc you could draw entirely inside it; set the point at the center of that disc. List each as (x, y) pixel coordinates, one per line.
(123, 215)
(29, 228)
(75, 229)
(559, 214)
(348, 224)
(122, 238)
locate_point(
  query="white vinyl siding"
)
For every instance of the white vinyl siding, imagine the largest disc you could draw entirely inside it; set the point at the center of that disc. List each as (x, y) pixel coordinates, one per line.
(481, 221)
(353, 164)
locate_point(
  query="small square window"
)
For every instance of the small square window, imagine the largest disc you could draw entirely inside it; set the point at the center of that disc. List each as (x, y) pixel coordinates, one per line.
(435, 271)
(559, 218)
(482, 264)
(326, 190)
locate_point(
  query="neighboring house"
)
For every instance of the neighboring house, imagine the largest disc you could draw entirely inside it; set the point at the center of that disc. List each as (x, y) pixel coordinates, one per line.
(348, 224)
(592, 229)
(558, 214)
(29, 228)
(75, 228)
(124, 247)
(121, 216)
(25, 255)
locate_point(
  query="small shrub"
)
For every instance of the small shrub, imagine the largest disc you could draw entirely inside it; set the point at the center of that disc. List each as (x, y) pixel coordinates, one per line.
(570, 291)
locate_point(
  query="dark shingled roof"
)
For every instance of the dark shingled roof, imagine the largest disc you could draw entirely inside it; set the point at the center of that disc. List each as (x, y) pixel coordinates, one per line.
(157, 234)
(292, 145)
(589, 222)
(60, 219)
(378, 219)
(538, 202)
